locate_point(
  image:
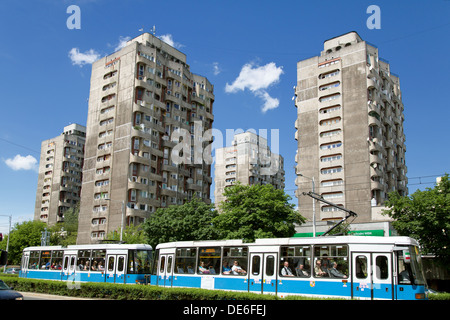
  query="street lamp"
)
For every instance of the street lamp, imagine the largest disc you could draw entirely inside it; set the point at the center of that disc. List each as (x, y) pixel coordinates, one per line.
(123, 215)
(314, 202)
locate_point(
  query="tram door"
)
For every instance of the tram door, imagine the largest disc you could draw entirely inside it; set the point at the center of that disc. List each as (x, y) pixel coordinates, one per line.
(165, 274)
(372, 275)
(69, 266)
(263, 272)
(115, 268)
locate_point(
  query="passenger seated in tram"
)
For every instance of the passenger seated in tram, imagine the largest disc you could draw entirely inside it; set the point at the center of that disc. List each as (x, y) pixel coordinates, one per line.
(237, 270)
(318, 272)
(94, 266)
(100, 266)
(202, 269)
(301, 272)
(225, 268)
(335, 273)
(286, 271)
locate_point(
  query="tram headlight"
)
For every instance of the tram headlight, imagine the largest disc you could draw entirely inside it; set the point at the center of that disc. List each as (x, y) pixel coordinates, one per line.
(420, 296)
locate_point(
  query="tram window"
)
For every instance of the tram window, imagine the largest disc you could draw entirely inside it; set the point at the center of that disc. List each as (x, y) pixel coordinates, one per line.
(235, 261)
(57, 256)
(139, 261)
(185, 260)
(209, 260)
(34, 260)
(270, 265)
(46, 256)
(162, 265)
(111, 264)
(84, 260)
(299, 260)
(169, 264)
(256, 265)
(361, 267)
(382, 267)
(66, 263)
(98, 260)
(120, 264)
(331, 261)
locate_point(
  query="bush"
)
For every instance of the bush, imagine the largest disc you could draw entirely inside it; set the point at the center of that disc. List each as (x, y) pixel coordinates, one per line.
(144, 292)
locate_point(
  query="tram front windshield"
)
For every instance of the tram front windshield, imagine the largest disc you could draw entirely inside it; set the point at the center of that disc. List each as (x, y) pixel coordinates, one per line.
(139, 261)
(410, 272)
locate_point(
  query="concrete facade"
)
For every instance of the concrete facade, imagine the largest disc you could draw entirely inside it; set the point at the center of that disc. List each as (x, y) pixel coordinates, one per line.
(249, 161)
(60, 174)
(143, 98)
(349, 130)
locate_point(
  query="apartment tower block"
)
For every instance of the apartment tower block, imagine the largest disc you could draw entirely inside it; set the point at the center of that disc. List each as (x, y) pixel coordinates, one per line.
(349, 130)
(60, 174)
(139, 96)
(248, 160)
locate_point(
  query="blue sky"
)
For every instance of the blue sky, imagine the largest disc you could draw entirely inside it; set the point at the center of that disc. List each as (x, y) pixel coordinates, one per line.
(42, 89)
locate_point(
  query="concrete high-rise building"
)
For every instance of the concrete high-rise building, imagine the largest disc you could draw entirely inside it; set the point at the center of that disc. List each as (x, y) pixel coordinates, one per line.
(349, 130)
(60, 174)
(248, 160)
(140, 98)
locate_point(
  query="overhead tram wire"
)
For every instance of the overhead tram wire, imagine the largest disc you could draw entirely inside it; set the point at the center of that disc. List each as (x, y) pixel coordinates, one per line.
(19, 145)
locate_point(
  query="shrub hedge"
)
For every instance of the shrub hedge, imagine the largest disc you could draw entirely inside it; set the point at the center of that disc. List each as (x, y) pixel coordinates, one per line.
(143, 292)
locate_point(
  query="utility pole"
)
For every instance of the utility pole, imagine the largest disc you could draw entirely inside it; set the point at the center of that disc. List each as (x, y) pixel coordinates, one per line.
(9, 235)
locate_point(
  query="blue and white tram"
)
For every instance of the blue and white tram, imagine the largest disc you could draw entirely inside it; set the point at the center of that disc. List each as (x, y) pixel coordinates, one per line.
(349, 267)
(115, 263)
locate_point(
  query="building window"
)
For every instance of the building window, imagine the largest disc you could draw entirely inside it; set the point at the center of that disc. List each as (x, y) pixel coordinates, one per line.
(330, 109)
(332, 145)
(332, 195)
(329, 86)
(331, 170)
(332, 183)
(329, 74)
(331, 158)
(329, 122)
(330, 133)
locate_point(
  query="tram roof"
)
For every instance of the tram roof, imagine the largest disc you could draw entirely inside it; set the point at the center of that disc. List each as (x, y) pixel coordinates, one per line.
(295, 241)
(93, 246)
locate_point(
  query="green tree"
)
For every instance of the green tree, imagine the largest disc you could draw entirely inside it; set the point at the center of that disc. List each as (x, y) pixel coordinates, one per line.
(65, 233)
(256, 211)
(131, 234)
(425, 216)
(190, 221)
(25, 234)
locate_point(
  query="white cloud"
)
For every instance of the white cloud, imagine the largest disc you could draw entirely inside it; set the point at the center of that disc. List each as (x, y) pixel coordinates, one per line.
(22, 163)
(216, 68)
(80, 59)
(167, 38)
(269, 102)
(257, 79)
(122, 43)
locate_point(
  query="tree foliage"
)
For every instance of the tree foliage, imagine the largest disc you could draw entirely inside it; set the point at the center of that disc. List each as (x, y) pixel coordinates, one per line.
(25, 234)
(425, 216)
(131, 234)
(190, 221)
(256, 211)
(65, 233)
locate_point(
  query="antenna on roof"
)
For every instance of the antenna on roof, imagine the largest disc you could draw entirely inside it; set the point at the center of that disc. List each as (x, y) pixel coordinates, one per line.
(153, 30)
